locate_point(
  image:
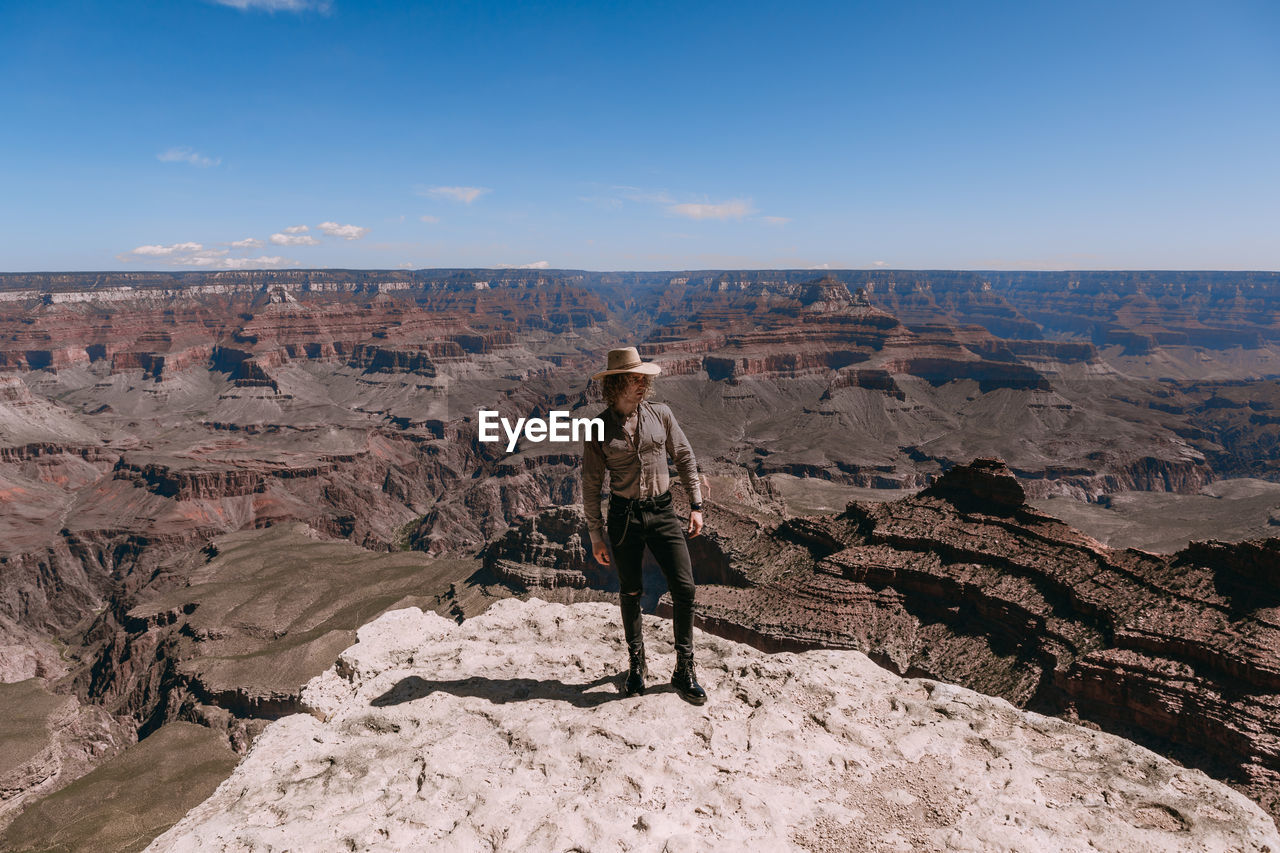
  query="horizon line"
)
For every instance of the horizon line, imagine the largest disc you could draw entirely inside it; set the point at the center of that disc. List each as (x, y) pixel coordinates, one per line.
(500, 269)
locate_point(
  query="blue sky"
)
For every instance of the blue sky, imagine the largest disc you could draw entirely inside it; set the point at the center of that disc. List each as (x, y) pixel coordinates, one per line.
(193, 134)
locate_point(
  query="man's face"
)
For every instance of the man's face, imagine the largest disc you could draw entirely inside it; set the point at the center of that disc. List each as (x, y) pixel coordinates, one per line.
(634, 389)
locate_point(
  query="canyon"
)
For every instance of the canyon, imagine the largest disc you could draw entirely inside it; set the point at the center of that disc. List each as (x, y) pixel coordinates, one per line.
(210, 481)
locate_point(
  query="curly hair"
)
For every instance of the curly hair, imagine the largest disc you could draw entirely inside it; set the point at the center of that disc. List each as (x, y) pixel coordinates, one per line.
(612, 386)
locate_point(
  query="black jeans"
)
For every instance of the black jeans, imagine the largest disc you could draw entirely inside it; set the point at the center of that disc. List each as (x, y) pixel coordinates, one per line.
(652, 521)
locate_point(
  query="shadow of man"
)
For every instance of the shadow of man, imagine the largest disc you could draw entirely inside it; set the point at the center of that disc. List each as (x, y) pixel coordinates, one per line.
(500, 691)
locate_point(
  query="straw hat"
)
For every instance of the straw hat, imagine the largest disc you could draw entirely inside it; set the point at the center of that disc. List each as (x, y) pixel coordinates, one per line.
(627, 360)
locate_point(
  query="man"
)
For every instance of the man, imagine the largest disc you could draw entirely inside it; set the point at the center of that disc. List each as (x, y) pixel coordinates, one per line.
(638, 436)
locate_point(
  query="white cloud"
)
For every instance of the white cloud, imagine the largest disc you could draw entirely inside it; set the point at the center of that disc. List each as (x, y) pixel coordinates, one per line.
(821, 267)
(247, 243)
(879, 263)
(262, 262)
(536, 265)
(167, 251)
(294, 239)
(196, 255)
(430, 220)
(192, 254)
(775, 220)
(407, 265)
(466, 195)
(177, 254)
(297, 229)
(211, 258)
(187, 155)
(322, 6)
(346, 232)
(733, 209)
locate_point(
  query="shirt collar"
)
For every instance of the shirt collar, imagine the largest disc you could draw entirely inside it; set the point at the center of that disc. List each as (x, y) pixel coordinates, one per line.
(619, 419)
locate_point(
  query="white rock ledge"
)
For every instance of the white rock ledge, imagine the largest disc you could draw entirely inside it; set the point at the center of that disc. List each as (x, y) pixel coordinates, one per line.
(508, 733)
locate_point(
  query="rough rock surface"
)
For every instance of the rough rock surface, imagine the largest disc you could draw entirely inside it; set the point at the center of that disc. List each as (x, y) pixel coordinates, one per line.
(508, 733)
(548, 550)
(962, 583)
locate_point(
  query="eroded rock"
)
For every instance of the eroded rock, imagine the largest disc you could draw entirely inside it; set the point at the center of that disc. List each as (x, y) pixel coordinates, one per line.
(508, 733)
(963, 584)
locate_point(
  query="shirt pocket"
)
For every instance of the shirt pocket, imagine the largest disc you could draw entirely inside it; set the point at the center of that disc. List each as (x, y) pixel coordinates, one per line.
(653, 439)
(618, 450)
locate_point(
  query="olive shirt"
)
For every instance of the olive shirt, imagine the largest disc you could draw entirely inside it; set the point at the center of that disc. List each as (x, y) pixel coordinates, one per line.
(636, 460)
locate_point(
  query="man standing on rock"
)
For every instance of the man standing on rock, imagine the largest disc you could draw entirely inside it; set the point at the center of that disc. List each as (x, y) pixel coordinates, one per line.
(638, 436)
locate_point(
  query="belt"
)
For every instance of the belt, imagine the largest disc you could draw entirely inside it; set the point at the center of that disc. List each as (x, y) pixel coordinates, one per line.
(652, 504)
(627, 506)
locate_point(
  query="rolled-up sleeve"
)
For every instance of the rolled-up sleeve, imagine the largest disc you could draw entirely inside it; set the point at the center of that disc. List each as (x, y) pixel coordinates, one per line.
(592, 481)
(682, 454)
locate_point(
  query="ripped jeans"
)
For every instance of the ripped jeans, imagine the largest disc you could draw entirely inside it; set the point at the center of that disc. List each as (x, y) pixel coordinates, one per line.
(632, 525)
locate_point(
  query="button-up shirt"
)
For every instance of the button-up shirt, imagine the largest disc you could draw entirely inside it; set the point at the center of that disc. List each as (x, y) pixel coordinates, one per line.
(634, 452)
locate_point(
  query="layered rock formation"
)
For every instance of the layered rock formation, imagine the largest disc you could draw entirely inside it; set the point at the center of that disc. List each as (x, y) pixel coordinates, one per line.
(508, 733)
(548, 551)
(144, 414)
(819, 382)
(966, 583)
(140, 421)
(1138, 309)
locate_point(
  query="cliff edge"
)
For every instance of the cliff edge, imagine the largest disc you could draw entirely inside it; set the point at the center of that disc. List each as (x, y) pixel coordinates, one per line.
(508, 732)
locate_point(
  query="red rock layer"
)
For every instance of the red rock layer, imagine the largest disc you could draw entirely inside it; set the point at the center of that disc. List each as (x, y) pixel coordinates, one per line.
(159, 331)
(775, 330)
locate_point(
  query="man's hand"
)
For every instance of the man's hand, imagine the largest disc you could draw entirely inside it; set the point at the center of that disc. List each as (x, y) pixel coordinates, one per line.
(695, 523)
(600, 551)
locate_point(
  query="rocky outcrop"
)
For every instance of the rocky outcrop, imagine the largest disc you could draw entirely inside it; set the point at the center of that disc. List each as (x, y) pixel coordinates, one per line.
(1249, 571)
(874, 380)
(984, 485)
(509, 732)
(548, 550)
(965, 583)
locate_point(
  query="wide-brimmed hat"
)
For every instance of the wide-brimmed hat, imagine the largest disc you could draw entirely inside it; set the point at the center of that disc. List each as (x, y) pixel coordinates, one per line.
(627, 360)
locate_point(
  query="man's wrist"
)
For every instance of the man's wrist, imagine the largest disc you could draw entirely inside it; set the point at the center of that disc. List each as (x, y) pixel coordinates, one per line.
(695, 507)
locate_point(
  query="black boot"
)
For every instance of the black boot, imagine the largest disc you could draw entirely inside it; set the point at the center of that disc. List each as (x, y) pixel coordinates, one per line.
(686, 683)
(639, 671)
